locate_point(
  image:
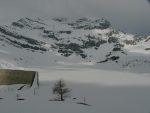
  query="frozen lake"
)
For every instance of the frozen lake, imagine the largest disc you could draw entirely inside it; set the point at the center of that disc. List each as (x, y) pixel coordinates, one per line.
(105, 91)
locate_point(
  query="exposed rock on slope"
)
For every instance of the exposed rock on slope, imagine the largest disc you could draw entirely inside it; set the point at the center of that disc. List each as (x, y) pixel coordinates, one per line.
(73, 41)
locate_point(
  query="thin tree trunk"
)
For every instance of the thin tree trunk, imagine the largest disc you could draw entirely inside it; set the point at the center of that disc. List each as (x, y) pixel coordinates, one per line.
(61, 92)
(61, 96)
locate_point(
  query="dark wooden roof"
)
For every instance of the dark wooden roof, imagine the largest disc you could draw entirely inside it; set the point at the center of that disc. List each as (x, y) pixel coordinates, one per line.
(9, 77)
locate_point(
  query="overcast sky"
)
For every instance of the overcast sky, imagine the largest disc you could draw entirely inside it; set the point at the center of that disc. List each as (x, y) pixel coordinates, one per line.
(128, 15)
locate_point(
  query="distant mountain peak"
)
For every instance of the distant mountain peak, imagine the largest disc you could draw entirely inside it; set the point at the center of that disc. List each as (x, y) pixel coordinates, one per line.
(79, 40)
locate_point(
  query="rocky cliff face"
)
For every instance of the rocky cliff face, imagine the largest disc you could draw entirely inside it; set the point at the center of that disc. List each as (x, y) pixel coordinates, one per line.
(92, 41)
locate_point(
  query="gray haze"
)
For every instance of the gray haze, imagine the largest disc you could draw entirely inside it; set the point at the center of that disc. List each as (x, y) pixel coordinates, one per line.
(132, 16)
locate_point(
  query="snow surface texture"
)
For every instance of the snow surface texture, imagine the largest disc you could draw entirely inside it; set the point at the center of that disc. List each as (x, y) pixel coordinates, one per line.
(104, 66)
(104, 91)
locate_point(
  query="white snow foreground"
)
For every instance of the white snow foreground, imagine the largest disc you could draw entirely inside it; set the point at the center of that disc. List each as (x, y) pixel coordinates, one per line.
(105, 92)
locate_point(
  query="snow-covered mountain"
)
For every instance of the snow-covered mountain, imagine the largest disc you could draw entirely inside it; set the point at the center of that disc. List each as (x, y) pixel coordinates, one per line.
(70, 49)
(74, 42)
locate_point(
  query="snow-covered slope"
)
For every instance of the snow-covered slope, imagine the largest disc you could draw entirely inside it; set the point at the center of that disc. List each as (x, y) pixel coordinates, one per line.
(88, 53)
(74, 42)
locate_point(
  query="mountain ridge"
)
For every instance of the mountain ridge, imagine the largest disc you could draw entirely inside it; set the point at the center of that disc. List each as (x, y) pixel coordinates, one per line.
(83, 41)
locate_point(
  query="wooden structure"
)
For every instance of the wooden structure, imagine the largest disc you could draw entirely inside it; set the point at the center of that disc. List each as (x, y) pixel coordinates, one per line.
(10, 77)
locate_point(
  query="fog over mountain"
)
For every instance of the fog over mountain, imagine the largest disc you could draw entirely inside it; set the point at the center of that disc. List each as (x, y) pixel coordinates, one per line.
(128, 15)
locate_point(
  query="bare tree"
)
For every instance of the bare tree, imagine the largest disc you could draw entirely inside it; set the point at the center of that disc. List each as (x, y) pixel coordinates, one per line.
(61, 90)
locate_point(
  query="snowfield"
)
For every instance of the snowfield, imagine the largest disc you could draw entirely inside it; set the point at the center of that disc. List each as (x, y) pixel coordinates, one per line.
(107, 68)
(106, 92)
